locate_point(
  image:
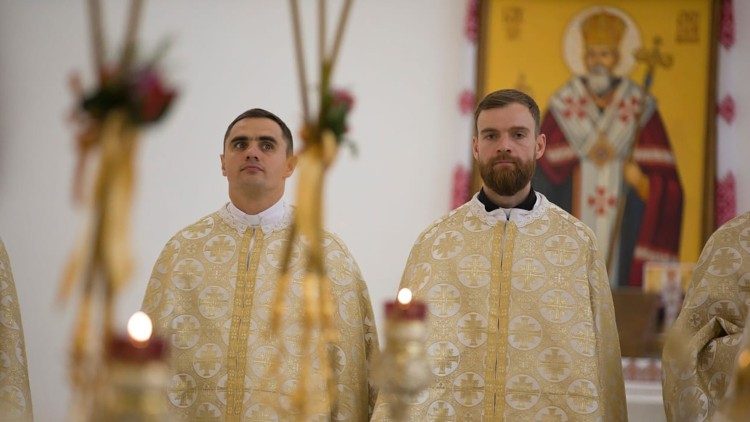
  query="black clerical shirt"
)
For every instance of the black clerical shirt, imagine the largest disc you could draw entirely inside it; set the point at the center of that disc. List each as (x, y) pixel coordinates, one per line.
(527, 204)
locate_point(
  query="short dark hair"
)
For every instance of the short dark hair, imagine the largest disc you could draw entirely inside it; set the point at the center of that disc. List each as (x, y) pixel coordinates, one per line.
(504, 97)
(259, 113)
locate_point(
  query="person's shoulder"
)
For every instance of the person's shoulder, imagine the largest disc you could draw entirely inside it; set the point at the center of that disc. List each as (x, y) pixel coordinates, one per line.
(568, 222)
(728, 231)
(332, 240)
(451, 220)
(740, 222)
(199, 228)
(209, 219)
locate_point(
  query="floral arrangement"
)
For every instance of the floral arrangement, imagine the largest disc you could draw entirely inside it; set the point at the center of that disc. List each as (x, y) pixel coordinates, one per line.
(338, 103)
(321, 134)
(109, 117)
(141, 91)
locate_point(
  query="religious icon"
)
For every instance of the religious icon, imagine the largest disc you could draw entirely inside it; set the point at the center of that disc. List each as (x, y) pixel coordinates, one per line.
(609, 160)
(626, 114)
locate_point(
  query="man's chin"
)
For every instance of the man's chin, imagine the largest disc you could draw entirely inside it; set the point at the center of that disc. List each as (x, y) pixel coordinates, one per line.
(505, 167)
(249, 183)
(504, 190)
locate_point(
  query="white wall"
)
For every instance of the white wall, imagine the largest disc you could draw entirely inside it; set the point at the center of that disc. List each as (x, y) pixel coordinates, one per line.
(398, 58)
(734, 144)
(402, 59)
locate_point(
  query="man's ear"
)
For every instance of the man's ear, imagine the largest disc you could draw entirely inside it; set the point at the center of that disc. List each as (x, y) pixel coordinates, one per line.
(223, 169)
(541, 145)
(291, 164)
(475, 147)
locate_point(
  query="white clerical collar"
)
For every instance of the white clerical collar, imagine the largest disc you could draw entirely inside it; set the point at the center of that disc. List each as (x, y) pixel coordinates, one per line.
(519, 216)
(272, 217)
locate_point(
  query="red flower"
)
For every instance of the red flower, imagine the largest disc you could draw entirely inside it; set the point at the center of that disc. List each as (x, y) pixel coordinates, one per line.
(152, 96)
(343, 97)
(337, 104)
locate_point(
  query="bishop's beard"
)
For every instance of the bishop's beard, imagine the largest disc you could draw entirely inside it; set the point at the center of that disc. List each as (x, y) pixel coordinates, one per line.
(503, 180)
(599, 80)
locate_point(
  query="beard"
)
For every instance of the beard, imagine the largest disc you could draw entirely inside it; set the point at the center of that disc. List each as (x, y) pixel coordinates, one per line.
(599, 80)
(506, 181)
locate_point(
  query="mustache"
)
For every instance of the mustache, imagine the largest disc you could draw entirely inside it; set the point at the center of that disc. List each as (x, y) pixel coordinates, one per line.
(599, 70)
(504, 156)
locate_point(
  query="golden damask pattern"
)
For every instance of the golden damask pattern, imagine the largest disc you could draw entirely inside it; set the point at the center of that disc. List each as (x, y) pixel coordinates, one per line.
(15, 396)
(700, 354)
(521, 322)
(210, 295)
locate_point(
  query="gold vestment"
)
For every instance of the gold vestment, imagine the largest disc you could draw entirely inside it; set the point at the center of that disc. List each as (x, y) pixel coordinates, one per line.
(210, 295)
(15, 396)
(701, 349)
(521, 322)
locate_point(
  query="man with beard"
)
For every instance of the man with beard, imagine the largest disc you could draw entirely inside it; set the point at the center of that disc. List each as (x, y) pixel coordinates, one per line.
(592, 126)
(521, 324)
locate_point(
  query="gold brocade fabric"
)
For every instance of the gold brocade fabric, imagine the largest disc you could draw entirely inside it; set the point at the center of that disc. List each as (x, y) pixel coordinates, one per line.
(15, 396)
(521, 322)
(210, 295)
(699, 356)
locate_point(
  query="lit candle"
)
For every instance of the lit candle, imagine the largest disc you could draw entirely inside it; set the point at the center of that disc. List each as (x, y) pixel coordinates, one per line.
(140, 328)
(405, 307)
(403, 367)
(135, 383)
(404, 296)
(138, 346)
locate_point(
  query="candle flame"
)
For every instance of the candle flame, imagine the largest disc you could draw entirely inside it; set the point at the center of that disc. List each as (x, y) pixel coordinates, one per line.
(140, 327)
(404, 296)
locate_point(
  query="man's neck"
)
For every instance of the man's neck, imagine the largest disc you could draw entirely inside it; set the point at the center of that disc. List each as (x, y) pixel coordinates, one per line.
(511, 201)
(253, 204)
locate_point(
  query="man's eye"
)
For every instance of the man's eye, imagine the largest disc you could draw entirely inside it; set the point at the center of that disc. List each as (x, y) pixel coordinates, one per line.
(240, 145)
(267, 146)
(490, 136)
(519, 135)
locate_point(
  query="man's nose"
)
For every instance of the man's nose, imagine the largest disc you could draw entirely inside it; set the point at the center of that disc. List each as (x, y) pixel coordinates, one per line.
(252, 151)
(504, 143)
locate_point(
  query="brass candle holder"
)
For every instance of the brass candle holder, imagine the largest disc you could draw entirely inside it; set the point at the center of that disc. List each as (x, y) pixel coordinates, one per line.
(134, 383)
(403, 370)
